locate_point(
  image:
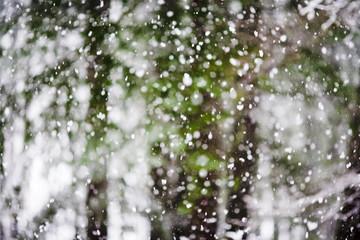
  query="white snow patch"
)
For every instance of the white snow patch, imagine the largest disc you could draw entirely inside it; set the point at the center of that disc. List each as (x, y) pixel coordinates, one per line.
(312, 225)
(283, 38)
(187, 80)
(320, 106)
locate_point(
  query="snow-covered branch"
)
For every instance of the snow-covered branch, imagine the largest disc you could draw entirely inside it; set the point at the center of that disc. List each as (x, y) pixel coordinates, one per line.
(291, 205)
(344, 10)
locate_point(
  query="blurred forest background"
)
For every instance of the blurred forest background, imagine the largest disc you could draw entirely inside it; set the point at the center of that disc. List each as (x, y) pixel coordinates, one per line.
(188, 119)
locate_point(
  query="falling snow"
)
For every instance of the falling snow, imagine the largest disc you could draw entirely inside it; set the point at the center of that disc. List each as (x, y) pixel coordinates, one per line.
(179, 119)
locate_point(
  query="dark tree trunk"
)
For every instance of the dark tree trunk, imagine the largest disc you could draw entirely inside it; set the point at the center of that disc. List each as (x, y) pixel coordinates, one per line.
(99, 66)
(169, 197)
(244, 148)
(244, 167)
(348, 225)
(204, 219)
(96, 203)
(2, 148)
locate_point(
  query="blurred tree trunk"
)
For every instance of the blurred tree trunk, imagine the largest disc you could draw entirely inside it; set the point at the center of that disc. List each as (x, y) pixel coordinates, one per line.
(205, 212)
(170, 224)
(204, 219)
(243, 153)
(2, 170)
(243, 171)
(96, 203)
(99, 65)
(348, 225)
